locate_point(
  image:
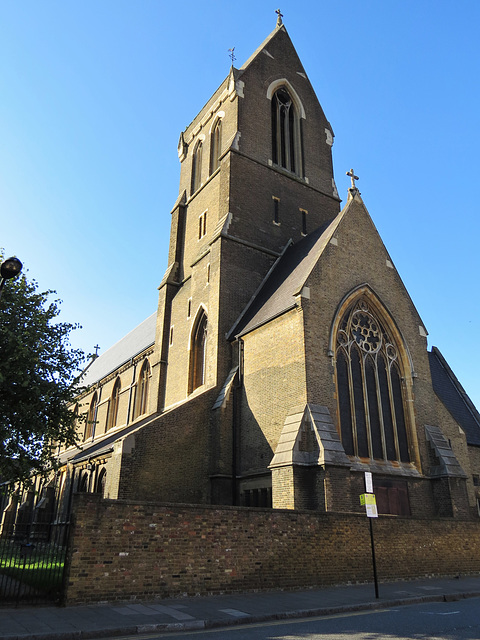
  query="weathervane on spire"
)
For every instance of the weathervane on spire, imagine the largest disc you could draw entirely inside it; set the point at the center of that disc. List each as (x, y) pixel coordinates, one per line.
(232, 55)
(353, 177)
(279, 18)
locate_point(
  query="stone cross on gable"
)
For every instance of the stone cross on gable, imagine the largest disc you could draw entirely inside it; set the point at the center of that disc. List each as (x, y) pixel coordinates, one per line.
(353, 177)
(279, 18)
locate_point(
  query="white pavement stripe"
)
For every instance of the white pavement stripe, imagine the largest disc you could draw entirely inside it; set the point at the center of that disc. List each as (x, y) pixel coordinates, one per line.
(235, 613)
(170, 611)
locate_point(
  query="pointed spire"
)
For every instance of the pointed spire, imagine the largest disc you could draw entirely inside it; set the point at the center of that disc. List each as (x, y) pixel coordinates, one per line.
(279, 17)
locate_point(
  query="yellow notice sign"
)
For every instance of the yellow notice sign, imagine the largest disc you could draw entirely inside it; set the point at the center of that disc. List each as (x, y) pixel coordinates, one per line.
(368, 500)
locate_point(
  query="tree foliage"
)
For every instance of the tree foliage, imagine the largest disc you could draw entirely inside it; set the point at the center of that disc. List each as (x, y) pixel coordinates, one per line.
(38, 369)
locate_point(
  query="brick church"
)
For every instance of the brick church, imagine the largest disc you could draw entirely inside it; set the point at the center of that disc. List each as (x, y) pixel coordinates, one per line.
(286, 357)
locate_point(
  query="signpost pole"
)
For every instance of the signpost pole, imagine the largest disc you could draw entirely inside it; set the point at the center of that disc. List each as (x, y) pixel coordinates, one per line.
(375, 578)
(368, 499)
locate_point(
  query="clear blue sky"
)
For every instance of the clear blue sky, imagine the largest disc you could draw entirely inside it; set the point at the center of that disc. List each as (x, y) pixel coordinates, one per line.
(94, 95)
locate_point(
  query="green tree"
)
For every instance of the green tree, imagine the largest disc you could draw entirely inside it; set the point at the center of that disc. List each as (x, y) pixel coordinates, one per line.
(38, 369)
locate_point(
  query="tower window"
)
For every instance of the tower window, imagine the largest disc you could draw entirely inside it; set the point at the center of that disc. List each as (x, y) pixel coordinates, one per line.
(216, 146)
(197, 167)
(276, 210)
(202, 225)
(171, 336)
(189, 308)
(369, 387)
(285, 132)
(304, 221)
(198, 352)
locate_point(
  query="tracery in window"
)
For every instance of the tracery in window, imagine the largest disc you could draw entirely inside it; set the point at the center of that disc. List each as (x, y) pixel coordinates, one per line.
(369, 387)
(197, 167)
(141, 395)
(197, 353)
(113, 405)
(91, 416)
(285, 132)
(216, 146)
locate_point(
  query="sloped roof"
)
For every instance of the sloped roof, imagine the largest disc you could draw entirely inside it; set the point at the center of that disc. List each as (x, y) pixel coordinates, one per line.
(285, 281)
(262, 46)
(453, 396)
(128, 347)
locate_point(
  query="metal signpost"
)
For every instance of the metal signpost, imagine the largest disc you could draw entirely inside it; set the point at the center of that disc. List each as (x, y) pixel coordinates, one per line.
(368, 500)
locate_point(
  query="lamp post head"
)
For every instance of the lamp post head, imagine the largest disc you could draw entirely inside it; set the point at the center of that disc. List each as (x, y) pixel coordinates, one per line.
(10, 268)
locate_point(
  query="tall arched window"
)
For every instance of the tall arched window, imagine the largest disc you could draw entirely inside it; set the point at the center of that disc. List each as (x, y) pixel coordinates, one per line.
(83, 482)
(101, 480)
(197, 352)
(197, 167)
(215, 146)
(141, 395)
(113, 406)
(91, 416)
(370, 391)
(285, 132)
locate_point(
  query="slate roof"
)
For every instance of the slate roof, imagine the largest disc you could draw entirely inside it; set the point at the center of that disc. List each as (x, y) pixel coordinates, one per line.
(128, 347)
(286, 279)
(454, 397)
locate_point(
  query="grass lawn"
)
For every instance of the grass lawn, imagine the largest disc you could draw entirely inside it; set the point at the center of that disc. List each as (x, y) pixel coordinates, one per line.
(40, 568)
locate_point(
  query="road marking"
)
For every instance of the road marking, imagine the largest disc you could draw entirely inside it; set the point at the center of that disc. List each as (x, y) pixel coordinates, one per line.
(235, 613)
(439, 613)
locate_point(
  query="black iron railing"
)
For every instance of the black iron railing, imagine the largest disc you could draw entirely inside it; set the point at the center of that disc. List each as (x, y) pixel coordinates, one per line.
(32, 563)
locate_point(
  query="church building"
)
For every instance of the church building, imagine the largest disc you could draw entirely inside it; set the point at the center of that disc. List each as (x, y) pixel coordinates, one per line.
(286, 357)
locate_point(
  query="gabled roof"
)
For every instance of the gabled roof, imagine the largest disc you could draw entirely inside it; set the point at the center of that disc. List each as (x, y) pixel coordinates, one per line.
(262, 46)
(284, 283)
(124, 350)
(453, 396)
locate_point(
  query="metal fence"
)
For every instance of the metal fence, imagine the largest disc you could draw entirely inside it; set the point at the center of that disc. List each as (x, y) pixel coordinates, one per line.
(32, 563)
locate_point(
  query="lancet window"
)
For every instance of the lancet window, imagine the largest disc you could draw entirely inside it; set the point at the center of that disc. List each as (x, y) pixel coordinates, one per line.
(91, 416)
(113, 406)
(198, 352)
(285, 132)
(216, 146)
(197, 167)
(369, 387)
(101, 480)
(141, 395)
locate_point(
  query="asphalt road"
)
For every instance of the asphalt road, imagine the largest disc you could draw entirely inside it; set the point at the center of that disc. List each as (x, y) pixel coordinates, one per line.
(458, 620)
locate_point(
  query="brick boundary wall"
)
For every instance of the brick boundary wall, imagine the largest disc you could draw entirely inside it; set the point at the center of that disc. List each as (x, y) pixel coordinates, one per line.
(123, 550)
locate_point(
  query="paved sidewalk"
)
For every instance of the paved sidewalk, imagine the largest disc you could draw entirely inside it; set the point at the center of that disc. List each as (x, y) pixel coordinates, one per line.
(181, 614)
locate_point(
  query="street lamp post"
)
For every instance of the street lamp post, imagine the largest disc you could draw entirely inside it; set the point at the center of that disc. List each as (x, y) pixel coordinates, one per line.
(9, 268)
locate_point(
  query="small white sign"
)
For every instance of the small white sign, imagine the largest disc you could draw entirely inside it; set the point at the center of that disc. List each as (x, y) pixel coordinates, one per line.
(368, 482)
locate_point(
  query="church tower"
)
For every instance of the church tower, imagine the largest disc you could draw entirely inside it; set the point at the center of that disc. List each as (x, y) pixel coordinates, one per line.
(256, 174)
